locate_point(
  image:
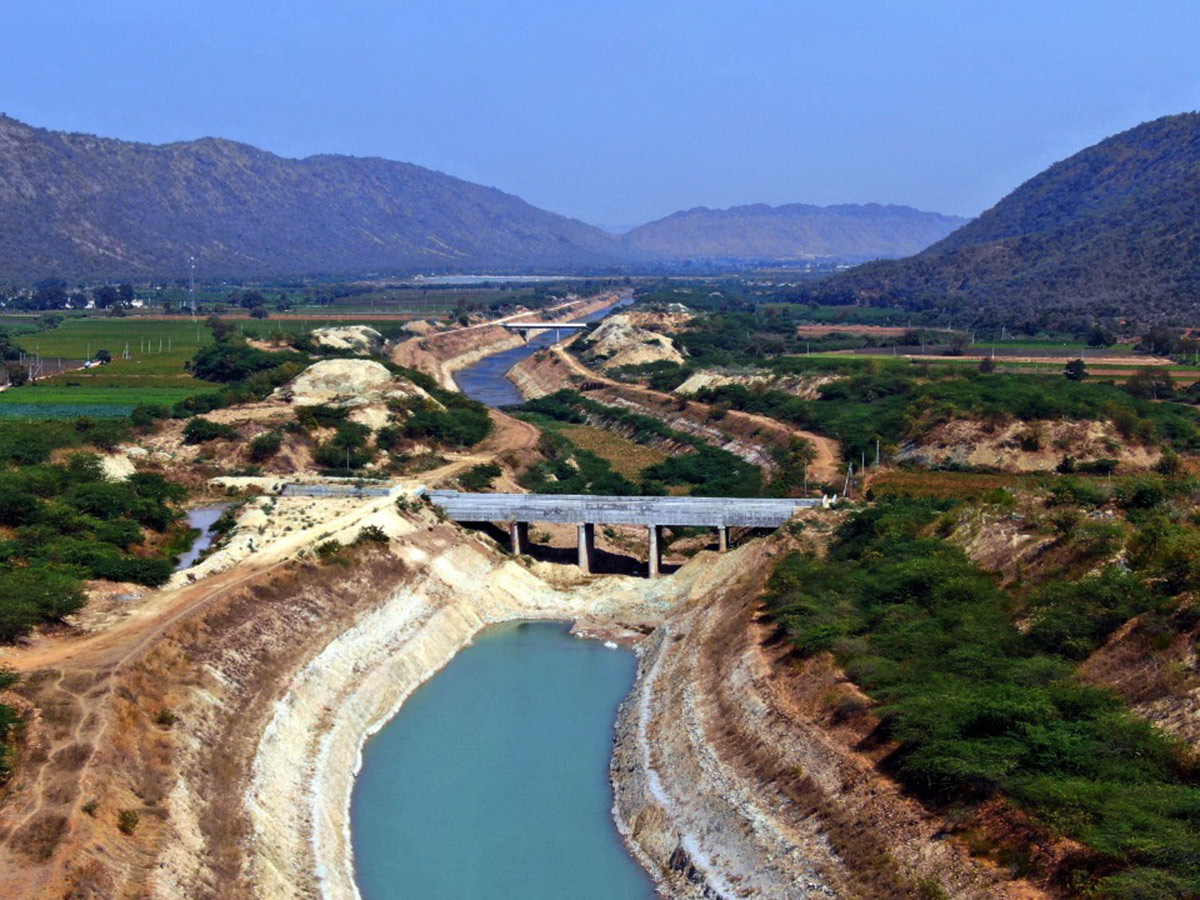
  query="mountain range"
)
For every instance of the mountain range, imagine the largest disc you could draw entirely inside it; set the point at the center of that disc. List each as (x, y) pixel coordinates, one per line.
(1111, 232)
(83, 207)
(792, 232)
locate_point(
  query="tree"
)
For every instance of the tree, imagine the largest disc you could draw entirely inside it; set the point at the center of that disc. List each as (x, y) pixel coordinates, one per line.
(987, 365)
(1099, 336)
(105, 296)
(1075, 370)
(103, 356)
(1150, 383)
(259, 312)
(17, 373)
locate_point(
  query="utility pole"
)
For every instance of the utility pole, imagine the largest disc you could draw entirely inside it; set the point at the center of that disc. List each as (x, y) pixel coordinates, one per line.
(192, 285)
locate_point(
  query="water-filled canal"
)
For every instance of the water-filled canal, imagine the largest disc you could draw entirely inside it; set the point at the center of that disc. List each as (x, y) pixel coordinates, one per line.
(491, 782)
(486, 380)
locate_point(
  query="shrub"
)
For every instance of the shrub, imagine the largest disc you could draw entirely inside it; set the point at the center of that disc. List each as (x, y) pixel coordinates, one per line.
(321, 415)
(480, 477)
(127, 821)
(265, 445)
(371, 534)
(198, 430)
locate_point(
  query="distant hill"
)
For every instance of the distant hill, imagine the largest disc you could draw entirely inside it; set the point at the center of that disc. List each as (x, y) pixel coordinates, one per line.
(1113, 231)
(78, 206)
(793, 232)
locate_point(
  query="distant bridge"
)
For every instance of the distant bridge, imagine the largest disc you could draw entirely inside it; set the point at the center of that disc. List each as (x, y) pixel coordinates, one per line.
(525, 327)
(587, 511)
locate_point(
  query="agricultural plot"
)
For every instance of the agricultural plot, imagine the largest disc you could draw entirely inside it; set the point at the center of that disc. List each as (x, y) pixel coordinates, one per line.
(154, 373)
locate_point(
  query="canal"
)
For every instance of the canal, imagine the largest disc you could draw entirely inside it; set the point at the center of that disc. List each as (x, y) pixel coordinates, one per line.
(492, 780)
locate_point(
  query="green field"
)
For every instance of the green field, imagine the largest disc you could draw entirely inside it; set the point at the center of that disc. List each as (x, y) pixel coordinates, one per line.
(154, 372)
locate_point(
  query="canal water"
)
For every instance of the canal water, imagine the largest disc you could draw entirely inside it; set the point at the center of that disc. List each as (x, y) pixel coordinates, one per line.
(491, 783)
(202, 518)
(486, 380)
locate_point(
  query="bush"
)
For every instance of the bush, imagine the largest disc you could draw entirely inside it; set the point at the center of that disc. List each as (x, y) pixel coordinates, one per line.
(198, 430)
(371, 534)
(265, 445)
(480, 477)
(229, 361)
(321, 415)
(127, 821)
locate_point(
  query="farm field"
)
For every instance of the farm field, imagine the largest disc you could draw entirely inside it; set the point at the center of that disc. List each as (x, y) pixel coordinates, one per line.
(150, 375)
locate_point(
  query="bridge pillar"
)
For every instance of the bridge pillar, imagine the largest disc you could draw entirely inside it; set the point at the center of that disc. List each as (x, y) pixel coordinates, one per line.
(587, 546)
(655, 550)
(518, 536)
(722, 538)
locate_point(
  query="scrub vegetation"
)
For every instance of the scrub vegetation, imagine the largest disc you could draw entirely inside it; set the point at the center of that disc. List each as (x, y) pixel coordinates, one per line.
(66, 522)
(694, 467)
(980, 709)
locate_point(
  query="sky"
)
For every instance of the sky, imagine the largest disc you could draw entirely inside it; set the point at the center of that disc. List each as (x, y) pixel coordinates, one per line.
(621, 112)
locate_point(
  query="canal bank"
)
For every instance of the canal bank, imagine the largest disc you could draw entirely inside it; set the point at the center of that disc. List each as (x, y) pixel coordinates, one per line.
(311, 749)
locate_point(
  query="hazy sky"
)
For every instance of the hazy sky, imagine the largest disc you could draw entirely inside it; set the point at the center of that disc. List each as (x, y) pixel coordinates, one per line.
(619, 112)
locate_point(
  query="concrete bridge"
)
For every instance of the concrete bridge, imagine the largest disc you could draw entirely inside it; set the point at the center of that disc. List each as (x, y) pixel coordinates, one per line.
(588, 511)
(526, 327)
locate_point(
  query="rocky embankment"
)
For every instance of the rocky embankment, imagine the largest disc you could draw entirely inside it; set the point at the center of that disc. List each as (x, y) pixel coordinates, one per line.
(732, 780)
(310, 751)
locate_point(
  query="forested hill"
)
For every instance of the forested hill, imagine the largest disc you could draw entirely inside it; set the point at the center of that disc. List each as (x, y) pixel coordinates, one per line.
(78, 206)
(1113, 231)
(792, 232)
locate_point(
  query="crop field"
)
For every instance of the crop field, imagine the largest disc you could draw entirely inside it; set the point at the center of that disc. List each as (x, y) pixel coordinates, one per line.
(154, 372)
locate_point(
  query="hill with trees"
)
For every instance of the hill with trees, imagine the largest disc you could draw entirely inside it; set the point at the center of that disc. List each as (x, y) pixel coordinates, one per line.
(1112, 232)
(796, 231)
(79, 206)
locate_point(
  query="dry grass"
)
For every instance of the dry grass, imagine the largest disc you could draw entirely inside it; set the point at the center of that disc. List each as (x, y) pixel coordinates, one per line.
(957, 485)
(625, 456)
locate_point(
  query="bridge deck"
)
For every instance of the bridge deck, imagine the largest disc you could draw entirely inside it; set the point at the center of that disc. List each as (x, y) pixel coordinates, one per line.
(525, 326)
(587, 509)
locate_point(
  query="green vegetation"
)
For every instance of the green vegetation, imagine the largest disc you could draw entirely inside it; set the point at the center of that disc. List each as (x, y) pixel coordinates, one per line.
(127, 821)
(704, 470)
(347, 450)
(462, 423)
(199, 429)
(883, 404)
(480, 477)
(567, 469)
(980, 709)
(9, 720)
(265, 445)
(66, 522)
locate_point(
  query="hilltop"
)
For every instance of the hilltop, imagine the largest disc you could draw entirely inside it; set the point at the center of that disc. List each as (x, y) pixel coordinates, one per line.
(795, 231)
(75, 205)
(1112, 231)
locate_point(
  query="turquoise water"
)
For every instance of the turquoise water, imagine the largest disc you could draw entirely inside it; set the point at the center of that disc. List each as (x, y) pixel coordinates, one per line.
(491, 783)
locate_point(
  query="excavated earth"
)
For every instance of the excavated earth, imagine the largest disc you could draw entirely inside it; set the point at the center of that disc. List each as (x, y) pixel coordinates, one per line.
(230, 714)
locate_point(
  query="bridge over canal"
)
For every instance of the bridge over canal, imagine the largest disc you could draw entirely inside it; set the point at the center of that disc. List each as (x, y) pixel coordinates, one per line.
(588, 511)
(559, 327)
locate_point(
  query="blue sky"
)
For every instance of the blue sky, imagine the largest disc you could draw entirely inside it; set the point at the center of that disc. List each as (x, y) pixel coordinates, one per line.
(619, 112)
